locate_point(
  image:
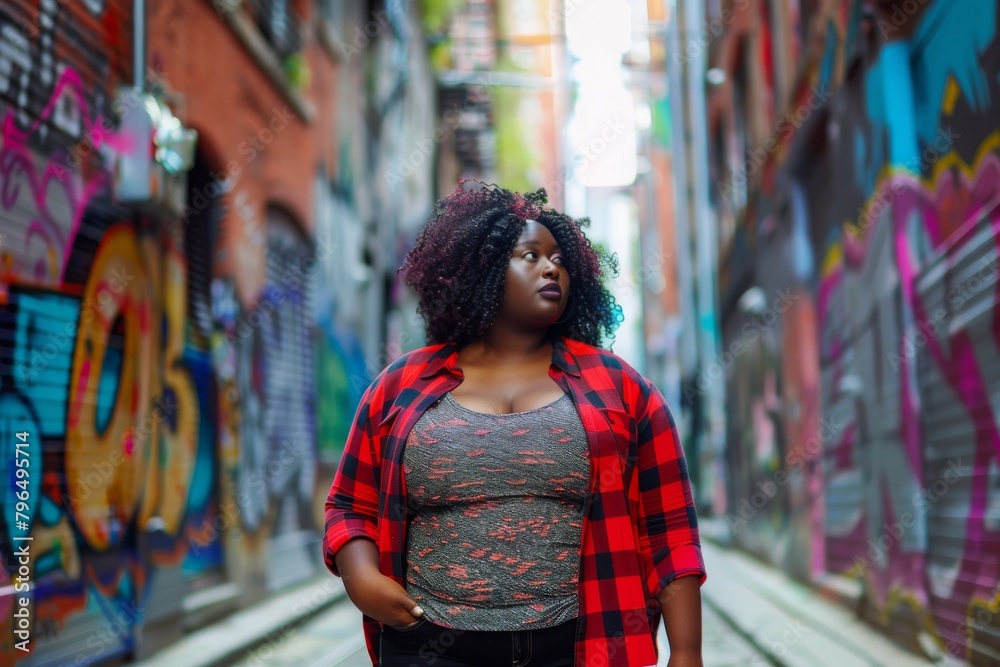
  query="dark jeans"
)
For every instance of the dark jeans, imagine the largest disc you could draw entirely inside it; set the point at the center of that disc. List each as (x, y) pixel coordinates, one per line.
(430, 645)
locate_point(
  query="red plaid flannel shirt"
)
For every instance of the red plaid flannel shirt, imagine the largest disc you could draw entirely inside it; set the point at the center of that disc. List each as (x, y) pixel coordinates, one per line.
(640, 528)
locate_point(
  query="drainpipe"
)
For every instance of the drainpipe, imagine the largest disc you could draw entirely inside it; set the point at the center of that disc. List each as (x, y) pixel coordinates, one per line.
(705, 226)
(688, 344)
(139, 45)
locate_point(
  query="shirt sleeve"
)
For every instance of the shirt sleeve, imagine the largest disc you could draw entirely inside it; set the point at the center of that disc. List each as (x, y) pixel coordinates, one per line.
(352, 504)
(668, 522)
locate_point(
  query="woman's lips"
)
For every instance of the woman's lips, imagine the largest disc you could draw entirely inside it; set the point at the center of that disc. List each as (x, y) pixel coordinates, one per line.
(551, 293)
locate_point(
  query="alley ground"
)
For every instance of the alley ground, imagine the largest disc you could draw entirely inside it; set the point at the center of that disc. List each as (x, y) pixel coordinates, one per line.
(754, 615)
(333, 639)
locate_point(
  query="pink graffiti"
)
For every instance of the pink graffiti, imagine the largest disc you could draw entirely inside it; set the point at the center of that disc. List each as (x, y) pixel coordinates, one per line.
(944, 214)
(937, 218)
(956, 358)
(16, 159)
(68, 79)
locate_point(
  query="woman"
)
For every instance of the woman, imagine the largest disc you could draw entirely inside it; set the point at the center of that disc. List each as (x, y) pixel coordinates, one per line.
(512, 494)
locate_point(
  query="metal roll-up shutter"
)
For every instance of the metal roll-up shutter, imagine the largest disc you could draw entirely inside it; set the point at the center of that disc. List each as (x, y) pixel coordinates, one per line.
(204, 565)
(959, 384)
(289, 394)
(38, 337)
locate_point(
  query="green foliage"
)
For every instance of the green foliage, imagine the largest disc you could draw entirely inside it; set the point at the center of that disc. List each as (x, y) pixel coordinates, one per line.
(440, 55)
(436, 14)
(515, 152)
(297, 70)
(515, 156)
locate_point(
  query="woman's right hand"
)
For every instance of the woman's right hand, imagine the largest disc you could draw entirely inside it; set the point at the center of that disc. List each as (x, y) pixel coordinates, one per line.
(380, 597)
(373, 593)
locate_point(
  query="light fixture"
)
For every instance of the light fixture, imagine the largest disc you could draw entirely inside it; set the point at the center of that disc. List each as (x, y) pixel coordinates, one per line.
(175, 144)
(151, 169)
(753, 301)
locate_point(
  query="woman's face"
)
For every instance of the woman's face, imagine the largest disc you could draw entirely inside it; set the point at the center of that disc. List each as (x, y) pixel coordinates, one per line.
(537, 282)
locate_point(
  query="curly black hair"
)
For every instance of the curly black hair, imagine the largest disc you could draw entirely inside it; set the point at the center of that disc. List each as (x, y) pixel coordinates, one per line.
(459, 261)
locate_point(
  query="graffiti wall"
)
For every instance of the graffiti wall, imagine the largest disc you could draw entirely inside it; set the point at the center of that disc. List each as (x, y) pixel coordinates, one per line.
(886, 206)
(913, 475)
(116, 400)
(169, 428)
(73, 300)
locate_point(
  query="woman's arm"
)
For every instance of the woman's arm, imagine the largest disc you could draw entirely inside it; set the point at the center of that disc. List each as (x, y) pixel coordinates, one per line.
(680, 603)
(350, 544)
(352, 503)
(668, 527)
(373, 593)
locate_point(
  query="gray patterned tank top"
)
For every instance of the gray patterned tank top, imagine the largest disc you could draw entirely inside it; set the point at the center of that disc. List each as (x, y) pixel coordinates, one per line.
(496, 506)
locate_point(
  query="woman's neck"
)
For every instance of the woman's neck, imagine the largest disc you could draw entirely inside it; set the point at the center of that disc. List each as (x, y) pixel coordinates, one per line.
(502, 345)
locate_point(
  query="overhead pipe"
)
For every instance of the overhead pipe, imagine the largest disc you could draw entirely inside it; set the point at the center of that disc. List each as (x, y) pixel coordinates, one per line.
(139, 45)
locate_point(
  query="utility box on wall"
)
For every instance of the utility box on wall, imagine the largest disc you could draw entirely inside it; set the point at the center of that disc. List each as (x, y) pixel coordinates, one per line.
(151, 169)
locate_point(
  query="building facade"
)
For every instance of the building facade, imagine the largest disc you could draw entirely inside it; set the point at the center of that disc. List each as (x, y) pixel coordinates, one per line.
(853, 151)
(197, 243)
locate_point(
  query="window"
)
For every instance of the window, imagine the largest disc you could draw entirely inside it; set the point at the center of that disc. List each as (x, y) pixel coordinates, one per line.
(280, 25)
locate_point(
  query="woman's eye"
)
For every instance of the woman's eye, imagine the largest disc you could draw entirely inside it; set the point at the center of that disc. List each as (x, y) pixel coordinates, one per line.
(530, 255)
(558, 259)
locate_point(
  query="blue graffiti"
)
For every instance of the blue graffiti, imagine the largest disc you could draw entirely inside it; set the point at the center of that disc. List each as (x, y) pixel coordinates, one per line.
(905, 87)
(948, 42)
(44, 339)
(829, 57)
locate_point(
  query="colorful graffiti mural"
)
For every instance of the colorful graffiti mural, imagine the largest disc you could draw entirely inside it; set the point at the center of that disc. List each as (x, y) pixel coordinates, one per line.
(115, 410)
(100, 373)
(920, 438)
(171, 449)
(265, 358)
(902, 204)
(187, 378)
(54, 90)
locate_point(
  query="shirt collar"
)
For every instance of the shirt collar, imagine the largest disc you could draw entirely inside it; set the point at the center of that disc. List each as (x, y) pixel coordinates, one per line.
(564, 358)
(445, 358)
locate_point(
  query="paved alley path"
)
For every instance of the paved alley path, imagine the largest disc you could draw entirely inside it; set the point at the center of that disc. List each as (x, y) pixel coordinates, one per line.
(334, 639)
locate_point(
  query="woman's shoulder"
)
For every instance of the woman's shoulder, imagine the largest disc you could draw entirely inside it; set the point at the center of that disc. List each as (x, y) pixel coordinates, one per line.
(421, 355)
(427, 356)
(590, 356)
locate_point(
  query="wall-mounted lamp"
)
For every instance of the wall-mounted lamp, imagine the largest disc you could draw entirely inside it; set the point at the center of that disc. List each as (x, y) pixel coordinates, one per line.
(715, 76)
(175, 144)
(152, 168)
(753, 301)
